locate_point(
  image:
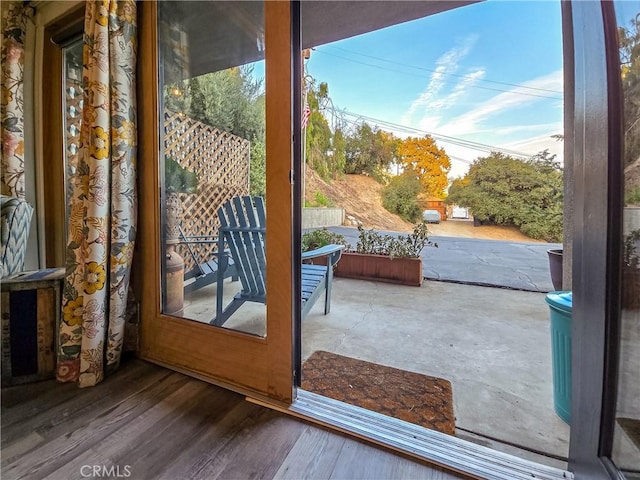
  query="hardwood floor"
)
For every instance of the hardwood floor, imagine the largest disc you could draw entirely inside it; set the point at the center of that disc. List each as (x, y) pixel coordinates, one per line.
(147, 422)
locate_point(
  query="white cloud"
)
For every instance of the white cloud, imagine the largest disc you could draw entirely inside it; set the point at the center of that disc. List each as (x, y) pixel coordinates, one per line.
(539, 143)
(471, 121)
(429, 123)
(460, 88)
(545, 127)
(482, 117)
(446, 64)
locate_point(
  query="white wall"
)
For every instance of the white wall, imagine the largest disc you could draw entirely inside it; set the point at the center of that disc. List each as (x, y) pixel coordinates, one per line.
(322, 217)
(630, 219)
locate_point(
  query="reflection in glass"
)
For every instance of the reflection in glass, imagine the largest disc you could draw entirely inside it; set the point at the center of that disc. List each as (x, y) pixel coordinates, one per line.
(213, 151)
(626, 447)
(72, 118)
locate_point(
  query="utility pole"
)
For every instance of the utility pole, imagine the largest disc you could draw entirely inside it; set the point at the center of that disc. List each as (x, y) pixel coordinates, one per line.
(306, 54)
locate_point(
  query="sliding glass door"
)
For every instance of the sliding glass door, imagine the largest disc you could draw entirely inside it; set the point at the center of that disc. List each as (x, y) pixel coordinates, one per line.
(220, 131)
(217, 194)
(602, 41)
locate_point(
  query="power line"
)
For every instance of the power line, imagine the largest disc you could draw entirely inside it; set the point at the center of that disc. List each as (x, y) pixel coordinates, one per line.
(445, 138)
(458, 159)
(489, 148)
(451, 140)
(444, 73)
(423, 76)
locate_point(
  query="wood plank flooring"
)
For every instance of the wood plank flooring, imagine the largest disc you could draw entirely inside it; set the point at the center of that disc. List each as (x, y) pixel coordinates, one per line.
(147, 422)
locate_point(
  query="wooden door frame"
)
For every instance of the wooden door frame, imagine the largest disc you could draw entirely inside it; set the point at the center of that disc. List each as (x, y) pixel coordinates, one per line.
(596, 224)
(597, 145)
(55, 36)
(260, 367)
(593, 151)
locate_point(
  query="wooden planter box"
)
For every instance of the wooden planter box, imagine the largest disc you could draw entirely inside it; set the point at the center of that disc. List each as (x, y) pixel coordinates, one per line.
(380, 268)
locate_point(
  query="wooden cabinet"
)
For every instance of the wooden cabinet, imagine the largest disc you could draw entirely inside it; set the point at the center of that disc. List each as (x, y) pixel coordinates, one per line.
(31, 305)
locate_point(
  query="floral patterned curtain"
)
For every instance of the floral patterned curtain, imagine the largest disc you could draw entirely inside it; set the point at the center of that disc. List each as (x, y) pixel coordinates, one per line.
(103, 218)
(14, 20)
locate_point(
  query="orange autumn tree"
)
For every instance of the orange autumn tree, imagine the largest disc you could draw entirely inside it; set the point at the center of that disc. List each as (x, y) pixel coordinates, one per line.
(428, 162)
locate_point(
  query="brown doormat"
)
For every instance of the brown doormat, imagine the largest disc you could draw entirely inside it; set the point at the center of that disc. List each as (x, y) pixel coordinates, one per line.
(409, 396)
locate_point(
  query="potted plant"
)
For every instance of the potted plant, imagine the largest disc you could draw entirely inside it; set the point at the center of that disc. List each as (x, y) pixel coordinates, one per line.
(387, 258)
(631, 270)
(321, 238)
(555, 267)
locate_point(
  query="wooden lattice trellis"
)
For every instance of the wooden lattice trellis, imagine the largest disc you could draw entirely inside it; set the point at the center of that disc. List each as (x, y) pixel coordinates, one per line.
(221, 161)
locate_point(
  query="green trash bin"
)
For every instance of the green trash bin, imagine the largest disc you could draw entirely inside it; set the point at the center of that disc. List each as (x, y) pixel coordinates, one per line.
(560, 304)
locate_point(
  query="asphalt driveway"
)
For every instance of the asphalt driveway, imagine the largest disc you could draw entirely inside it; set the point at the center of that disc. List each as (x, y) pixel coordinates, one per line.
(499, 263)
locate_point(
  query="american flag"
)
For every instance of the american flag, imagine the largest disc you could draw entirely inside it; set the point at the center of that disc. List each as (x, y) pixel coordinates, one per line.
(306, 113)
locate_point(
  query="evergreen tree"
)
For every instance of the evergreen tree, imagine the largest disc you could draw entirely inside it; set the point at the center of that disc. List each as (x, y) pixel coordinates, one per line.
(507, 191)
(629, 43)
(369, 150)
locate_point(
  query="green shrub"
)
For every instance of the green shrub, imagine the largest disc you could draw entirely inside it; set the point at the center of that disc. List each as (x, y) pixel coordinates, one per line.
(547, 228)
(257, 169)
(508, 191)
(372, 242)
(632, 196)
(319, 200)
(322, 200)
(177, 179)
(400, 196)
(321, 237)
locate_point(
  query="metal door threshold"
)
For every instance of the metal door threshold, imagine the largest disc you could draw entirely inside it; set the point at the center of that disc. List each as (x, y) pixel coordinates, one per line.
(447, 451)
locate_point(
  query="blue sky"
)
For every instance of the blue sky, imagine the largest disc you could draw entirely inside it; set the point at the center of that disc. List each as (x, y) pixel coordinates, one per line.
(489, 73)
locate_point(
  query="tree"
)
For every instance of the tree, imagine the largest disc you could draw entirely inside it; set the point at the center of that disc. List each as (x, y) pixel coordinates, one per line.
(234, 102)
(544, 218)
(333, 153)
(423, 158)
(400, 196)
(230, 100)
(629, 44)
(339, 159)
(197, 102)
(369, 150)
(507, 191)
(318, 134)
(257, 169)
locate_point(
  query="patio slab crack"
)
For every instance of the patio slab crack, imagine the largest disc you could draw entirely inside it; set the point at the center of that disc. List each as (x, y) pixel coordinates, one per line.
(355, 326)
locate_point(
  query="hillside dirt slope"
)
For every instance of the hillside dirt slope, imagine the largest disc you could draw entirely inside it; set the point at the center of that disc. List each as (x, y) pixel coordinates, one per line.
(632, 175)
(361, 198)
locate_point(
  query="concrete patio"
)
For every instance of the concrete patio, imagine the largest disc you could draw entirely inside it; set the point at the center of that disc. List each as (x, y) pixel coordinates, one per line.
(493, 345)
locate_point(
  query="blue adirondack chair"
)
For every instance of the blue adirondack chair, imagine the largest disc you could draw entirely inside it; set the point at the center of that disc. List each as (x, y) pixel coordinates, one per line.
(204, 272)
(242, 234)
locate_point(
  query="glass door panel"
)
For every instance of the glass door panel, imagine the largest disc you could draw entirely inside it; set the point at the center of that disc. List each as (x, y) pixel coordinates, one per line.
(213, 157)
(626, 444)
(387, 126)
(215, 104)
